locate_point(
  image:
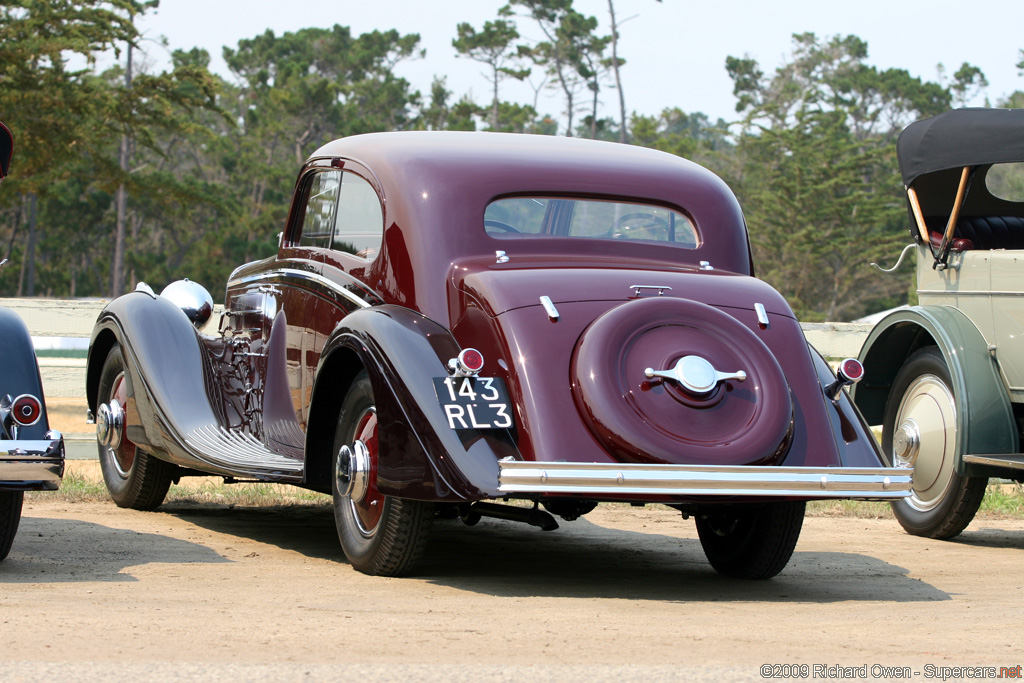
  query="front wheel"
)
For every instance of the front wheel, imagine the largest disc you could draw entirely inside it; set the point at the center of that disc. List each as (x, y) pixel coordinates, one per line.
(10, 516)
(380, 535)
(751, 541)
(134, 478)
(919, 430)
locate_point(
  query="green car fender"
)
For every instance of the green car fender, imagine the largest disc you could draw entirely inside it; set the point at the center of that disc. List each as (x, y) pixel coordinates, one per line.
(984, 416)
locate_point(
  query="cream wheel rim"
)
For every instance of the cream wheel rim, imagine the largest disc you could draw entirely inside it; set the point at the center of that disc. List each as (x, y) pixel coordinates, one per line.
(925, 438)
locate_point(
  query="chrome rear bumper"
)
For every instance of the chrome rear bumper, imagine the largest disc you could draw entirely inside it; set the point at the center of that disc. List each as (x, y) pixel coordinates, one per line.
(703, 480)
(32, 465)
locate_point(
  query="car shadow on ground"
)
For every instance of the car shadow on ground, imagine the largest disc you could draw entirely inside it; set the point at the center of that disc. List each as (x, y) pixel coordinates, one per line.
(580, 559)
(990, 538)
(69, 550)
(592, 561)
(305, 529)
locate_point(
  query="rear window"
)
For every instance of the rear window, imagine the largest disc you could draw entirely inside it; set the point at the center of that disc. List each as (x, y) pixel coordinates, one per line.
(514, 217)
(1006, 181)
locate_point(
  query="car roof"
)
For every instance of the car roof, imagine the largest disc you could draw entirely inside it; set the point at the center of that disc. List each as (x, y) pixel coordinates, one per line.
(447, 178)
(958, 138)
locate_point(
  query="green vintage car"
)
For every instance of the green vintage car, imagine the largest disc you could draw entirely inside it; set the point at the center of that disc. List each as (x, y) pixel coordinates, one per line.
(945, 378)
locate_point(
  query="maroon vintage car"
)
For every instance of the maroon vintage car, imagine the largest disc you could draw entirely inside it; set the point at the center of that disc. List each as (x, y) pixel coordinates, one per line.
(458, 318)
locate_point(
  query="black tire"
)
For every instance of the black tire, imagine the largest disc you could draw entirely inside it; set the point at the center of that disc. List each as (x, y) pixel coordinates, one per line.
(135, 479)
(751, 541)
(10, 516)
(921, 403)
(382, 541)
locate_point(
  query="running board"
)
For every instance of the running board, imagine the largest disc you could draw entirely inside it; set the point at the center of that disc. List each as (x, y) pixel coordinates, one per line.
(1012, 460)
(242, 454)
(598, 479)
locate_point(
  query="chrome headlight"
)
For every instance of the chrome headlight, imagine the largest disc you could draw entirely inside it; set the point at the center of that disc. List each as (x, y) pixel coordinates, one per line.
(192, 298)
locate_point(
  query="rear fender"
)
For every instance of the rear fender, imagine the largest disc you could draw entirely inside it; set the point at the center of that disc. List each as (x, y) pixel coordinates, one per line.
(420, 456)
(984, 416)
(20, 372)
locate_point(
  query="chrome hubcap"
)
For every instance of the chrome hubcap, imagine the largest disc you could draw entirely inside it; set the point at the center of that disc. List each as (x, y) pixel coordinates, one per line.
(110, 424)
(906, 442)
(353, 471)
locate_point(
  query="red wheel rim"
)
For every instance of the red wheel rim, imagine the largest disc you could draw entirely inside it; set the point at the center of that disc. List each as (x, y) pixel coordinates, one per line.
(124, 454)
(369, 509)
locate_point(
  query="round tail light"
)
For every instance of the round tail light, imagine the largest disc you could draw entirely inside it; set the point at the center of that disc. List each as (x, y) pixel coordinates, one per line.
(26, 410)
(850, 370)
(470, 361)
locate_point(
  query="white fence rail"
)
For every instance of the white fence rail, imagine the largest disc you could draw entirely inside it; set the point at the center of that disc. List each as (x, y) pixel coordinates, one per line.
(64, 378)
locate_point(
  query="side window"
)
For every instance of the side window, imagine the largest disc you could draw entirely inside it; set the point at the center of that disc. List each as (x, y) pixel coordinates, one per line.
(321, 209)
(359, 228)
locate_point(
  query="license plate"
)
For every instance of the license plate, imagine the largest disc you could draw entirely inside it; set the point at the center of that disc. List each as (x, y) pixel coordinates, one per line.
(474, 402)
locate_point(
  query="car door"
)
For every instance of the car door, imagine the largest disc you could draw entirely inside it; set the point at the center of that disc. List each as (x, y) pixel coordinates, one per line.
(272, 309)
(354, 253)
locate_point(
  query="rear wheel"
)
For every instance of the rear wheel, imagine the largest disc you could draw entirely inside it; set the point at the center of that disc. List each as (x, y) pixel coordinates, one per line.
(134, 478)
(751, 541)
(919, 429)
(10, 516)
(380, 535)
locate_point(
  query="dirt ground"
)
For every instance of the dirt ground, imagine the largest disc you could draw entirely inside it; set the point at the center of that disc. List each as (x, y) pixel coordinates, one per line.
(204, 591)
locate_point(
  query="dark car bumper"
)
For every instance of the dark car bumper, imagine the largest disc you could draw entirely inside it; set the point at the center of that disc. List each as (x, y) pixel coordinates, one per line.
(32, 465)
(601, 479)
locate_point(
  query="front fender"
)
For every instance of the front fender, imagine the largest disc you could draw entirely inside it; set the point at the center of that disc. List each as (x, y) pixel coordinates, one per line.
(419, 455)
(984, 416)
(163, 368)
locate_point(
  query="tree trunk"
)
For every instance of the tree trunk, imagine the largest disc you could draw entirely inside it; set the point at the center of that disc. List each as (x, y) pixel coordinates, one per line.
(30, 247)
(615, 69)
(494, 102)
(121, 200)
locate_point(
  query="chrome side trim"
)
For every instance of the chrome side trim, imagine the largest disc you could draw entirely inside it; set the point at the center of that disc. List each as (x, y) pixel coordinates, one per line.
(302, 275)
(516, 476)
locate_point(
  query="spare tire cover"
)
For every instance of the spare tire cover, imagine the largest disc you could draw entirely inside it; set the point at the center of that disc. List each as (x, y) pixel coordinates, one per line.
(657, 420)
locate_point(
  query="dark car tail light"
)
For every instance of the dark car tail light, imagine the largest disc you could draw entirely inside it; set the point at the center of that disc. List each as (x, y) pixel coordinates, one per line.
(849, 372)
(468, 362)
(26, 410)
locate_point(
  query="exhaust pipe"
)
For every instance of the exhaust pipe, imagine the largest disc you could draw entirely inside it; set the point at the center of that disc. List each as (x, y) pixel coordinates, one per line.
(533, 516)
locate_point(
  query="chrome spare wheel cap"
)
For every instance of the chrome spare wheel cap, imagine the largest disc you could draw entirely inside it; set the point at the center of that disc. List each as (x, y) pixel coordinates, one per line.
(353, 471)
(110, 424)
(906, 442)
(696, 374)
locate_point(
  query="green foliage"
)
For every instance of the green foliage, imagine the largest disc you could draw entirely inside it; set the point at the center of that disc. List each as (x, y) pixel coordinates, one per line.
(209, 165)
(816, 172)
(571, 54)
(493, 46)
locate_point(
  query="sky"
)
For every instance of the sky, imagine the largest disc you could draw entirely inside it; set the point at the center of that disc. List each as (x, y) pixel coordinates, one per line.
(675, 50)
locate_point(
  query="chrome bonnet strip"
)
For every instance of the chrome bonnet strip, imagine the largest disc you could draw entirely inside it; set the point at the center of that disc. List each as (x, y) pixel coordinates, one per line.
(303, 275)
(629, 478)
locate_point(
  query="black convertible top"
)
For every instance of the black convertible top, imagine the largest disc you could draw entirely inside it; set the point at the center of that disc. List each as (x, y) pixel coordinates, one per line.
(958, 138)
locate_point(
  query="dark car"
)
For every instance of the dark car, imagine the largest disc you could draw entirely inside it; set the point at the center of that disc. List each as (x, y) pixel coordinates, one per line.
(457, 318)
(945, 378)
(31, 455)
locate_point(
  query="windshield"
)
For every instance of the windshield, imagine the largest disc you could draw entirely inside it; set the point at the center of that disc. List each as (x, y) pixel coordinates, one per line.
(514, 217)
